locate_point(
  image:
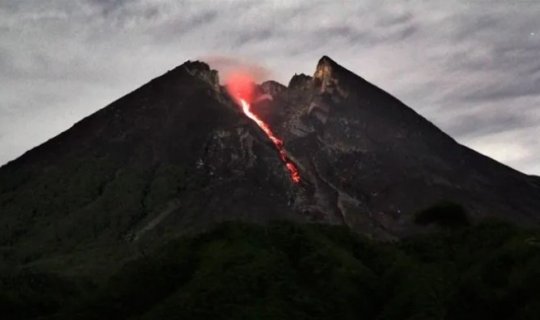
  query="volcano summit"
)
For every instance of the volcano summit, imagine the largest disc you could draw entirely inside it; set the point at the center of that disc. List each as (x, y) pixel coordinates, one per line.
(179, 155)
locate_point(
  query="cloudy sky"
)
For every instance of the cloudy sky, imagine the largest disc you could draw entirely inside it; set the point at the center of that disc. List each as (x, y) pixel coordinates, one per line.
(472, 67)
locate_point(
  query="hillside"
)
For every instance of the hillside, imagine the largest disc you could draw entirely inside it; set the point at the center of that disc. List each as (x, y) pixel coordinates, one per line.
(291, 271)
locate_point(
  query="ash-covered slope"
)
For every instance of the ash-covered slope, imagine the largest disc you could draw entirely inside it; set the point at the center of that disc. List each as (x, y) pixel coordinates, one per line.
(175, 155)
(377, 161)
(178, 155)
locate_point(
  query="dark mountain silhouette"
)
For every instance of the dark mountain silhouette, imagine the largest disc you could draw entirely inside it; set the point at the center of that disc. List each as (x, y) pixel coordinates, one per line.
(365, 151)
(177, 156)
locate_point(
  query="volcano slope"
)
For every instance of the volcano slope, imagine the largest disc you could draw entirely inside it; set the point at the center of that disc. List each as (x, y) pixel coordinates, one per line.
(362, 150)
(177, 156)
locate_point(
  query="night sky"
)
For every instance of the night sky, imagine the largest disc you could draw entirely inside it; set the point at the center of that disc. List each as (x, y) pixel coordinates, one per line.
(471, 67)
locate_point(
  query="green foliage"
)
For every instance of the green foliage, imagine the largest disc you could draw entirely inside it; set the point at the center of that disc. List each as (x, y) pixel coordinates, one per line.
(80, 203)
(445, 214)
(26, 294)
(168, 182)
(289, 271)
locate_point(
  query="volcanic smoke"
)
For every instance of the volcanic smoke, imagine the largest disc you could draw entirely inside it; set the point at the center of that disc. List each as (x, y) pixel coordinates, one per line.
(240, 87)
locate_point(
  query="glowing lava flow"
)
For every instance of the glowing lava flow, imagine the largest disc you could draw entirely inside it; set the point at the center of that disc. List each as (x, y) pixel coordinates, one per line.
(241, 87)
(293, 170)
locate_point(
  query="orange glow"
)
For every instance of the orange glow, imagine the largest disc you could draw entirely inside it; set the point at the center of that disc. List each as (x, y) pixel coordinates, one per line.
(293, 170)
(240, 87)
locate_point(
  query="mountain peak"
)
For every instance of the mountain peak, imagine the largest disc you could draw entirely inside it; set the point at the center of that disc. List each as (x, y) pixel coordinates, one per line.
(272, 87)
(202, 71)
(324, 69)
(300, 81)
(332, 78)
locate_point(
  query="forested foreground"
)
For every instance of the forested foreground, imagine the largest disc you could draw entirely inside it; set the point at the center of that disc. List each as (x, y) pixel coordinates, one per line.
(289, 271)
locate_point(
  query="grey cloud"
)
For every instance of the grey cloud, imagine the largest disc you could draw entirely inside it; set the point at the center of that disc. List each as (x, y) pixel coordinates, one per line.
(395, 19)
(471, 67)
(483, 123)
(253, 35)
(513, 88)
(162, 32)
(109, 6)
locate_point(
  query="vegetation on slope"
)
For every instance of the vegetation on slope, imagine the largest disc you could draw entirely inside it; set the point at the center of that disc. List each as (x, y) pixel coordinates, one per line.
(289, 271)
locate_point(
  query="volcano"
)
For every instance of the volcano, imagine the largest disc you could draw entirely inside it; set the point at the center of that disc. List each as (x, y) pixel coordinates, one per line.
(179, 155)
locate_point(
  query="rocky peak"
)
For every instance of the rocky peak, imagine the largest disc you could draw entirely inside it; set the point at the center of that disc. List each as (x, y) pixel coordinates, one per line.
(300, 81)
(202, 71)
(324, 68)
(272, 87)
(330, 77)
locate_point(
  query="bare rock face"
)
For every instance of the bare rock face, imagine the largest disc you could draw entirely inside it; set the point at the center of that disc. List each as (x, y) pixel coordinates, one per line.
(301, 82)
(272, 88)
(202, 71)
(177, 155)
(371, 162)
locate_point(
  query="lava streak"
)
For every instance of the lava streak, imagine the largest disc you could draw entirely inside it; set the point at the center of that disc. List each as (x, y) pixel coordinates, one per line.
(240, 86)
(293, 170)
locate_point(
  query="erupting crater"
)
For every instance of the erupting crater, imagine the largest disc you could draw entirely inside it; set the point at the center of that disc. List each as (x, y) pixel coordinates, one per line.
(240, 86)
